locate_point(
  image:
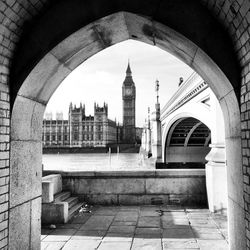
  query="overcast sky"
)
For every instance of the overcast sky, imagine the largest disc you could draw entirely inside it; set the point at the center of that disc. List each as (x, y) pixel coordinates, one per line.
(100, 79)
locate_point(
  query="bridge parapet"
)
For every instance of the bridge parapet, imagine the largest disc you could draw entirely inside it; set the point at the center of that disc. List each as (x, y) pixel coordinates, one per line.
(193, 86)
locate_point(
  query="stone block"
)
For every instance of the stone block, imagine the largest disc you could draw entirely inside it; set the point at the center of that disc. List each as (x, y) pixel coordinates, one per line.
(139, 28)
(47, 192)
(112, 29)
(109, 186)
(130, 199)
(230, 107)
(211, 74)
(236, 225)
(56, 180)
(234, 170)
(73, 44)
(27, 118)
(19, 227)
(83, 54)
(26, 171)
(170, 40)
(41, 83)
(216, 176)
(56, 213)
(35, 223)
(179, 185)
(101, 199)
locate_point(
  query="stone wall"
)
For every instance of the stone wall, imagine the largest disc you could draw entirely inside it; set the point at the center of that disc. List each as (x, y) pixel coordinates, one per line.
(181, 187)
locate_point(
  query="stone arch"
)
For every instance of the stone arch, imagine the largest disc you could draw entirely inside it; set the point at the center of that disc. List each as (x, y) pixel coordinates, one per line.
(41, 80)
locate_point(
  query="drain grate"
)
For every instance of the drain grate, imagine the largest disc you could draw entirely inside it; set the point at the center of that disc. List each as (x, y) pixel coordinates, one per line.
(156, 201)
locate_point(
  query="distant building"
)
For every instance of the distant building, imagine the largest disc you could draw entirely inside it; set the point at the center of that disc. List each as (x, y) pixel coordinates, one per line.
(97, 130)
(80, 130)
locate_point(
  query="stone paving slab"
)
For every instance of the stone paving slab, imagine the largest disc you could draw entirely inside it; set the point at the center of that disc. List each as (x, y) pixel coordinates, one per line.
(153, 232)
(139, 227)
(88, 235)
(115, 245)
(146, 244)
(60, 235)
(97, 222)
(121, 229)
(186, 244)
(147, 221)
(82, 245)
(177, 233)
(119, 237)
(212, 244)
(52, 245)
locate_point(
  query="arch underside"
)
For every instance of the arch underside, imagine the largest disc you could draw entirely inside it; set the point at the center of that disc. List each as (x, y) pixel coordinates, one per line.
(187, 144)
(63, 18)
(188, 132)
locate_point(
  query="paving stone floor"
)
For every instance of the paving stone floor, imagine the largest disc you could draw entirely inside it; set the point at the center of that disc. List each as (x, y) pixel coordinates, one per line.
(139, 227)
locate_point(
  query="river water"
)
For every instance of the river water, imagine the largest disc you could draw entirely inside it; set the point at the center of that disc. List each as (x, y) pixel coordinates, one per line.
(93, 162)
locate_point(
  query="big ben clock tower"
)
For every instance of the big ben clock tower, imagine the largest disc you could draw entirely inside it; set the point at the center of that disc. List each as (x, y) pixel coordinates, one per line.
(128, 97)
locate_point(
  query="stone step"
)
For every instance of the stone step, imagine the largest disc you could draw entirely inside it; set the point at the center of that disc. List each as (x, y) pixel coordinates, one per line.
(74, 210)
(72, 201)
(62, 196)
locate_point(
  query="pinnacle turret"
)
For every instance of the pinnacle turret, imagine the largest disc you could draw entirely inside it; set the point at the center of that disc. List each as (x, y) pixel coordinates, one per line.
(128, 79)
(128, 71)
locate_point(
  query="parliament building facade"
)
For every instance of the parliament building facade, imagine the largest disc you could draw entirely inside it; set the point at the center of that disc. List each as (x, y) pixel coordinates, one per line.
(96, 130)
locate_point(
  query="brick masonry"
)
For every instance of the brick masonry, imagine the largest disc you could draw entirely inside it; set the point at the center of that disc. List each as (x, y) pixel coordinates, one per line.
(233, 14)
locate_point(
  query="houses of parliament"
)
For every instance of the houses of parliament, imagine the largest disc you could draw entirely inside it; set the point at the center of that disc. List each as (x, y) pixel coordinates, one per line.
(81, 130)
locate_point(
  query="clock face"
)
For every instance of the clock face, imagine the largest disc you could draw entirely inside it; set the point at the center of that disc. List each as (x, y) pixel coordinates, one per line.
(128, 91)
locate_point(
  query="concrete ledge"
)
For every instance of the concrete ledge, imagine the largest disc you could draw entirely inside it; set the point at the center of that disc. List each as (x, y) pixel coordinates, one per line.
(136, 173)
(171, 186)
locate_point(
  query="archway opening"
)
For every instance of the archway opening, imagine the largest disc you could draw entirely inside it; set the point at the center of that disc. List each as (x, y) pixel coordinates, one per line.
(42, 81)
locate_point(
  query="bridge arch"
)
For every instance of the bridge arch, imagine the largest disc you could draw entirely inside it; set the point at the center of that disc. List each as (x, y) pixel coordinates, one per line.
(36, 85)
(202, 115)
(177, 121)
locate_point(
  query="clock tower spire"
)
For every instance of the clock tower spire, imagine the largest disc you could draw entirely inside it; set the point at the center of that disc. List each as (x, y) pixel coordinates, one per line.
(128, 97)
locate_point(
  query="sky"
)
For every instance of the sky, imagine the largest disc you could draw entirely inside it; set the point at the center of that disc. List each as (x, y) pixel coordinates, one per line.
(99, 79)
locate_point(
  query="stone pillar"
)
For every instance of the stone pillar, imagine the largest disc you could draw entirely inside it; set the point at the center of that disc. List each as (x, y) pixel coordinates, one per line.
(216, 175)
(143, 139)
(50, 136)
(156, 134)
(148, 135)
